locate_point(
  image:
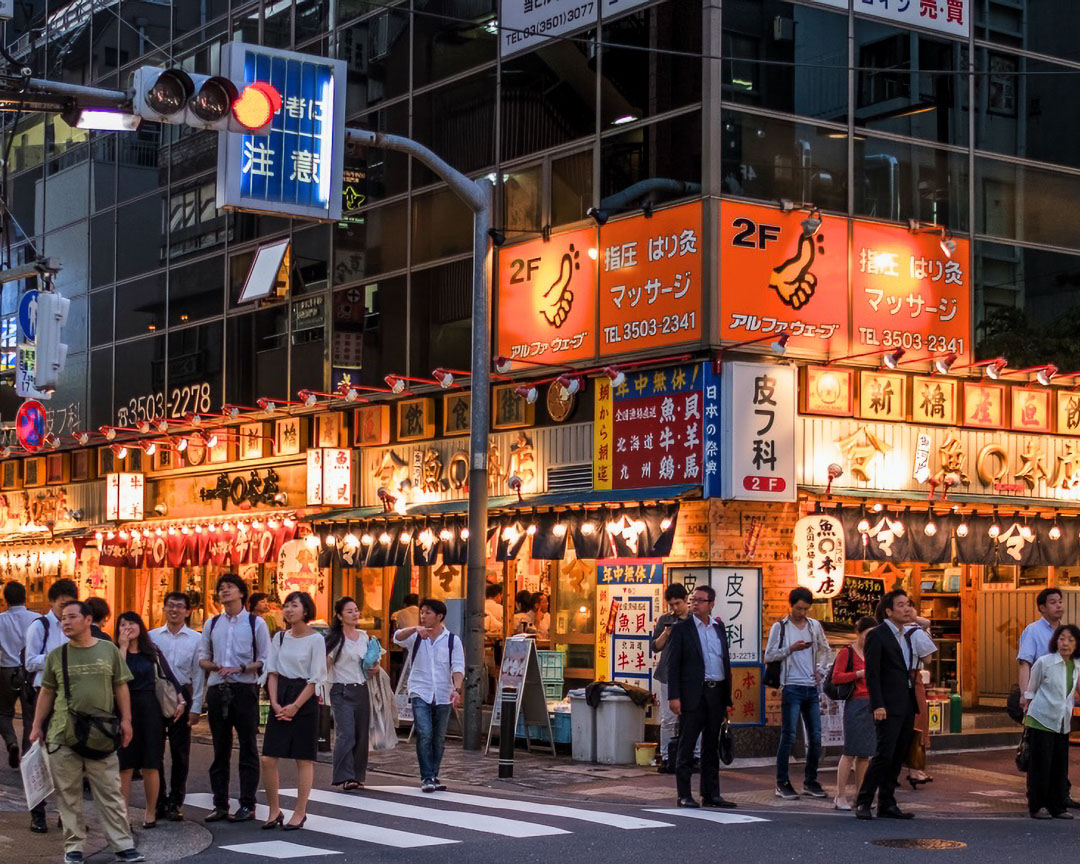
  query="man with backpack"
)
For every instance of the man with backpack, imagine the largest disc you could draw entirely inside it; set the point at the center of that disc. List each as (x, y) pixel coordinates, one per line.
(233, 648)
(797, 642)
(13, 625)
(85, 681)
(43, 635)
(435, 682)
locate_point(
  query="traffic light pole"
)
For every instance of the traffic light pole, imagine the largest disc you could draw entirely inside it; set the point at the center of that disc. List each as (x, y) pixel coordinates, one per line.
(477, 196)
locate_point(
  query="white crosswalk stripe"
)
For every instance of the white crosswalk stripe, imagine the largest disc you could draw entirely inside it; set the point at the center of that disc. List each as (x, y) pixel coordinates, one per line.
(279, 850)
(454, 818)
(528, 808)
(720, 817)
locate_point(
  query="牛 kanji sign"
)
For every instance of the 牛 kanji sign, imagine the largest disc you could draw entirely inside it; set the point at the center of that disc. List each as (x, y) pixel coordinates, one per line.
(758, 441)
(630, 593)
(818, 554)
(649, 429)
(546, 299)
(778, 277)
(951, 17)
(907, 293)
(296, 169)
(650, 280)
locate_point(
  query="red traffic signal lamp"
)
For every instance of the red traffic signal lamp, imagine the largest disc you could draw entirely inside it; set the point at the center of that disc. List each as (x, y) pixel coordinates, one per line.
(256, 106)
(203, 101)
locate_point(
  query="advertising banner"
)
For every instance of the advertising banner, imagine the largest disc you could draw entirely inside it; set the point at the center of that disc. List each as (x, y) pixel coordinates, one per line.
(950, 17)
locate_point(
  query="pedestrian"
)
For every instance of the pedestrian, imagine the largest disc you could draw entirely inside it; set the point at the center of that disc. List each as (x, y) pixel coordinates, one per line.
(438, 670)
(678, 610)
(798, 643)
(407, 616)
(43, 634)
(542, 614)
(889, 668)
(99, 609)
(295, 675)
(14, 688)
(922, 647)
(699, 694)
(259, 604)
(860, 740)
(234, 646)
(525, 615)
(493, 612)
(1048, 705)
(350, 698)
(146, 750)
(1035, 642)
(87, 677)
(179, 645)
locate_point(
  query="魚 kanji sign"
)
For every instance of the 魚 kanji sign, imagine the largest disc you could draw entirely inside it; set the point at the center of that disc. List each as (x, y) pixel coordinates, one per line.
(630, 593)
(758, 445)
(818, 554)
(296, 169)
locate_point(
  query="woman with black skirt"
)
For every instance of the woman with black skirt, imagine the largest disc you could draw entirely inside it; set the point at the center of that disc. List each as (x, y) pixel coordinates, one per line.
(295, 671)
(147, 745)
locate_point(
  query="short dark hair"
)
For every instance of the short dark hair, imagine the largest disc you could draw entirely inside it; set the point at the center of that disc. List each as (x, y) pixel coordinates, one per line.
(1046, 594)
(255, 599)
(14, 593)
(436, 606)
(99, 607)
(232, 579)
(1062, 628)
(84, 608)
(675, 591)
(867, 622)
(888, 601)
(798, 594)
(63, 588)
(412, 599)
(493, 590)
(305, 600)
(177, 595)
(710, 592)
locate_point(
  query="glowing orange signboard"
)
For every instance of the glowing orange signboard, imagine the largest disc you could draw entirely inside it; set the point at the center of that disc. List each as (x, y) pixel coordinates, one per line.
(777, 275)
(546, 299)
(650, 280)
(907, 293)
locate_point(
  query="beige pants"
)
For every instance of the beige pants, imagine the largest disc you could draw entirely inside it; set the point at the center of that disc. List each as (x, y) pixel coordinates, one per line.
(68, 769)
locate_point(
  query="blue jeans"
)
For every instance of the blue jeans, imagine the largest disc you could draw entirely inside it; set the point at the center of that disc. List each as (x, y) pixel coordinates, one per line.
(429, 726)
(799, 700)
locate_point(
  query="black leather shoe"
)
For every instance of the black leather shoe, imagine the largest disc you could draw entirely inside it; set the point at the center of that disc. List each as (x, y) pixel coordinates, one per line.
(37, 823)
(243, 814)
(218, 814)
(717, 801)
(893, 812)
(688, 802)
(863, 813)
(1071, 804)
(174, 813)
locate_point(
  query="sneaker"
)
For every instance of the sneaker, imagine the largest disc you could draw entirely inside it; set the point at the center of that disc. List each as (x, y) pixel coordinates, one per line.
(786, 791)
(73, 858)
(427, 786)
(439, 785)
(813, 789)
(130, 855)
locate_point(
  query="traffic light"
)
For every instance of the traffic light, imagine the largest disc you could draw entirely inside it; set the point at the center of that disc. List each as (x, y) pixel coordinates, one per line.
(203, 101)
(52, 312)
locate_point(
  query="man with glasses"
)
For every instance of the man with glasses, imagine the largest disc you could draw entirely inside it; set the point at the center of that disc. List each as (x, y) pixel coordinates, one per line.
(180, 646)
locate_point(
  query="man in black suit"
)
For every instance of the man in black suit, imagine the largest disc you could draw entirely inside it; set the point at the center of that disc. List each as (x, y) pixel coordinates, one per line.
(892, 698)
(699, 691)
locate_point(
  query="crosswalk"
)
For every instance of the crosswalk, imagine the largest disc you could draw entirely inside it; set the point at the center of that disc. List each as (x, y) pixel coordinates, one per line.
(403, 817)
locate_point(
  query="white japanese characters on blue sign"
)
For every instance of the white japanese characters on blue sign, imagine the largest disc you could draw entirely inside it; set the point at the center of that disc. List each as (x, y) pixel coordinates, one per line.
(296, 169)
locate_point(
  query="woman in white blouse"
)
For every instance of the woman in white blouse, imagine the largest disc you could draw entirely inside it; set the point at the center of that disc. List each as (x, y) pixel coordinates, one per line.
(350, 700)
(294, 673)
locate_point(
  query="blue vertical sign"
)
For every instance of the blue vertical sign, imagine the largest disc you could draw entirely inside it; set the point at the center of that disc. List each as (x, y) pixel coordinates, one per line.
(296, 169)
(711, 432)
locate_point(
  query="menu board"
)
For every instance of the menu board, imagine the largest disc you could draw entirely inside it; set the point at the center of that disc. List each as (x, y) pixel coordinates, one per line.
(860, 596)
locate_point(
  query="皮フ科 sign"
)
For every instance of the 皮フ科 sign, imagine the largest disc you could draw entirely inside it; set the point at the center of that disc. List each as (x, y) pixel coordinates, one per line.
(758, 444)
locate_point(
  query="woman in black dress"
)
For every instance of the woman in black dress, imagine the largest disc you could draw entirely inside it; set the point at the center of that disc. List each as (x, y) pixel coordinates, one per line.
(147, 725)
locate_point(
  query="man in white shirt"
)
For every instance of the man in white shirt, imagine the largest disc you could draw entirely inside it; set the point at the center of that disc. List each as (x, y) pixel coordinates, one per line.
(435, 680)
(13, 625)
(233, 648)
(43, 634)
(180, 646)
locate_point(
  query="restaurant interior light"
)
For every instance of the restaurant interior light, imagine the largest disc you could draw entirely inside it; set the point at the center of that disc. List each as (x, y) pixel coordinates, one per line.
(1055, 532)
(464, 533)
(446, 535)
(559, 530)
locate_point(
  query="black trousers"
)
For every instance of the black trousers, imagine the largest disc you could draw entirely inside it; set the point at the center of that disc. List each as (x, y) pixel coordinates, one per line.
(1048, 773)
(234, 708)
(705, 719)
(178, 739)
(9, 698)
(894, 735)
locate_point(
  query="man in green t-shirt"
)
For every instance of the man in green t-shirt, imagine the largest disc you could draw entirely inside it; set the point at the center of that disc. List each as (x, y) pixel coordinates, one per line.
(97, 676)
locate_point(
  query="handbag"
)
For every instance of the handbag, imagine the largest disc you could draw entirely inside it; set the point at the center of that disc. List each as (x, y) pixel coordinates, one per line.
(95, 737)
(840, 692)
(168, 696)
(1023, 753)
(771, 678)
(1012, 704)
(382, 726)
(726, 744)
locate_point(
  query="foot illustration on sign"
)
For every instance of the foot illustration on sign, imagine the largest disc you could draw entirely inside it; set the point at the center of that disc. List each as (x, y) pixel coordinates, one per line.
(792, 280)
(559, 299)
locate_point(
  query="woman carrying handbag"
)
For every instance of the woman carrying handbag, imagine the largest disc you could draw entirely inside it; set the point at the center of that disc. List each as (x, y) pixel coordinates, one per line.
(860, 737)
(347, 651)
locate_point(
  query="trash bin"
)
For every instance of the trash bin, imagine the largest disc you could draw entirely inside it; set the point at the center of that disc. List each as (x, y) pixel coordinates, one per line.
(620, 724)
(582, 728)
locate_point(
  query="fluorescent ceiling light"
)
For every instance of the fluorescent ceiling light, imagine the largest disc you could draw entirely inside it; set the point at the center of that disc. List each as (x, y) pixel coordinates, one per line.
(107, 121)
(626, 118)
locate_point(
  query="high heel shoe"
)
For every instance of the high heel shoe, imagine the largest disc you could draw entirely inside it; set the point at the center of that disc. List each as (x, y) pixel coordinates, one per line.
(276, 822)
(292, 827)
(916, 783)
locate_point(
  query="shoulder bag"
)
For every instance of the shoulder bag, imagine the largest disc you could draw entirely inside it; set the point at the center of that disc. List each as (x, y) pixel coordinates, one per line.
(166, 690)
(771, 678)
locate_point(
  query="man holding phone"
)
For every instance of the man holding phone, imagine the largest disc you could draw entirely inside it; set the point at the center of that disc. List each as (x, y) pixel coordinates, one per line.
(799, 643)
(675, 595)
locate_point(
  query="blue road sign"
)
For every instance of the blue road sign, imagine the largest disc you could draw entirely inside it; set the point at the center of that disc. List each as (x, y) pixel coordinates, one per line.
(28, 304)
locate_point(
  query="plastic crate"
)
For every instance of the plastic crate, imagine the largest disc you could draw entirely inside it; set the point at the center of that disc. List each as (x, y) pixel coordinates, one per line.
(553, 690)
(560, 729)
(551, 665)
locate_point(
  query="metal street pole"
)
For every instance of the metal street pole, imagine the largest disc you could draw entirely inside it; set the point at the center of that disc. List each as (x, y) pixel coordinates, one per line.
(477, 195)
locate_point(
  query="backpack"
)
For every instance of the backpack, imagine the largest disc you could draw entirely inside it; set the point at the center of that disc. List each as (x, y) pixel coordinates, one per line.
(24, 678)
(254, 644)
(841, 692)
(771, 678)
